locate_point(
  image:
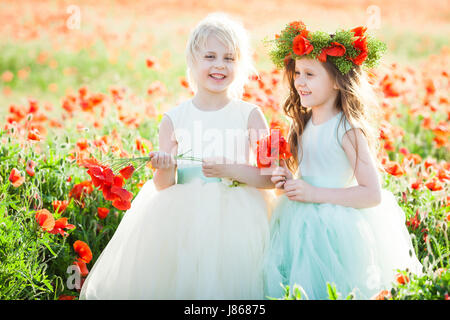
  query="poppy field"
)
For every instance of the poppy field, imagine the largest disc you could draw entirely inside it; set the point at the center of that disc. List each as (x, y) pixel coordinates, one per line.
(81, 83)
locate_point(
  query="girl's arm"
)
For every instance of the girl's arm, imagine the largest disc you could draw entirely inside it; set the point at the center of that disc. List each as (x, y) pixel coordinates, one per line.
(164, 176)
(245, 173)
(366, 194)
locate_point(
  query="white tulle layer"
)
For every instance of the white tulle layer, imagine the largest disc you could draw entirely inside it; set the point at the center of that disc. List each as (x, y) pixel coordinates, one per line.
(190, 241)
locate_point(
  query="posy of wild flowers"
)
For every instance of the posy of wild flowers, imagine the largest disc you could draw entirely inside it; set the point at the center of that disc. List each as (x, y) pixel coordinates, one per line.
(111, 184)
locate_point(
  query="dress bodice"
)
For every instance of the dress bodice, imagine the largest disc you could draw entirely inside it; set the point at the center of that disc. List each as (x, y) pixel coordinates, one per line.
(202, 134)
(324, 162)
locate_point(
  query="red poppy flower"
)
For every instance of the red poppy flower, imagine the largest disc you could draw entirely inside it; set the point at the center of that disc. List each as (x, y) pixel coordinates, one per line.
(34, 135)
(335, 49)
(121, 193)
(118, 181)
(60, 206)
(110, 184)
(276, 124)
(360, 44)
(150, 62)
(415, 157)
(127, 172)
(82, 268)
(101, 175)
(121, 204)
(45, 219)
(272, 148)
(414, 222)
(359, 31)
(16, 178)
(66, 297)
(382, 295)
(416, 185)
(184, 82)
(83, 144)
(394, 169)
(297, 25)
(434, 185)
(301, 45)
(30, 168)
(83, 251)
(96, 98)
(107, 194)
(401, 279)
(60, 225)
(102, 212)
(80, 189)
(443, 174)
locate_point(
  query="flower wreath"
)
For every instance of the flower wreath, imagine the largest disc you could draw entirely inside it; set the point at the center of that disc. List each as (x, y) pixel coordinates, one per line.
(344, 48)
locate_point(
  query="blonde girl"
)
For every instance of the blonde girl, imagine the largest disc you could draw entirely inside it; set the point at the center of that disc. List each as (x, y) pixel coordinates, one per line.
(197, 230)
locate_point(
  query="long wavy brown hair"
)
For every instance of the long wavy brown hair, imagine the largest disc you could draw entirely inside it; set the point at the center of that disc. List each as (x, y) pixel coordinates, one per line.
(356, 99)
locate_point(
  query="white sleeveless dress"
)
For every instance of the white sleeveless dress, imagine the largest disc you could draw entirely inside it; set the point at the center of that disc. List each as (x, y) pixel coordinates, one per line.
(198, 239)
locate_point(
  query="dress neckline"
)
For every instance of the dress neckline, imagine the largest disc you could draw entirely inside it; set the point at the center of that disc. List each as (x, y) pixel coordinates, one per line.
(211, 111)
(324, 123)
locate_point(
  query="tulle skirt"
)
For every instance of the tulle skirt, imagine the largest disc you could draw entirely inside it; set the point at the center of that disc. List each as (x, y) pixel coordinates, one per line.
(195, 240)
(358, 250)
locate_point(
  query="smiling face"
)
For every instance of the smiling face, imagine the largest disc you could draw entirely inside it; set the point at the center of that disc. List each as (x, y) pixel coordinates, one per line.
(314, 84)
(214, 68)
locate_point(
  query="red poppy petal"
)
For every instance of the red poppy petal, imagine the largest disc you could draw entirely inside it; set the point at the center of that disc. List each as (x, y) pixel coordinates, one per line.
(121, 204)
(127, 172)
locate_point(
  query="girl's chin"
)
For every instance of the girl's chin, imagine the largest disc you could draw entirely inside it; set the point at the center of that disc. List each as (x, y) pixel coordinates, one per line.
(218, 88)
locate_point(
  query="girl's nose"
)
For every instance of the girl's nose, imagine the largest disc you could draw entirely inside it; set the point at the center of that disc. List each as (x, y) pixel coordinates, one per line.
(300, 82)
(219, 65)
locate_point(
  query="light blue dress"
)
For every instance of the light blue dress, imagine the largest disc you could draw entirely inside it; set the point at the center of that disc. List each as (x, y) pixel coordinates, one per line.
(311, 244)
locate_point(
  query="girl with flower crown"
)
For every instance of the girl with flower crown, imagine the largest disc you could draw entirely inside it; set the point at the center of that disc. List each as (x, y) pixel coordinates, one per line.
(197, 230)
(333, 222)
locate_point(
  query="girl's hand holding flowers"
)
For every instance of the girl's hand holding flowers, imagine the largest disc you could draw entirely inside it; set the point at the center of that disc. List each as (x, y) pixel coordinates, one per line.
(274, 149)
(280, 175)
(162, 160)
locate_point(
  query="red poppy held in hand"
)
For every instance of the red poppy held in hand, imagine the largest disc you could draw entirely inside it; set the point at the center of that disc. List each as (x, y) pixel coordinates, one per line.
(110, 184)
(272, 148)
(127, 172)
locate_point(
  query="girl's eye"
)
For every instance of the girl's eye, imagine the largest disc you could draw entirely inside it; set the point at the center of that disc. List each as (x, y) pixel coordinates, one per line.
(209, 56)
(229, 59)
(298, 72)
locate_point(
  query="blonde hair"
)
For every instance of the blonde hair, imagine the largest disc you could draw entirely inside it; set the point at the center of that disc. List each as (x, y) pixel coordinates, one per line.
(234, 36)
(356, 99)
